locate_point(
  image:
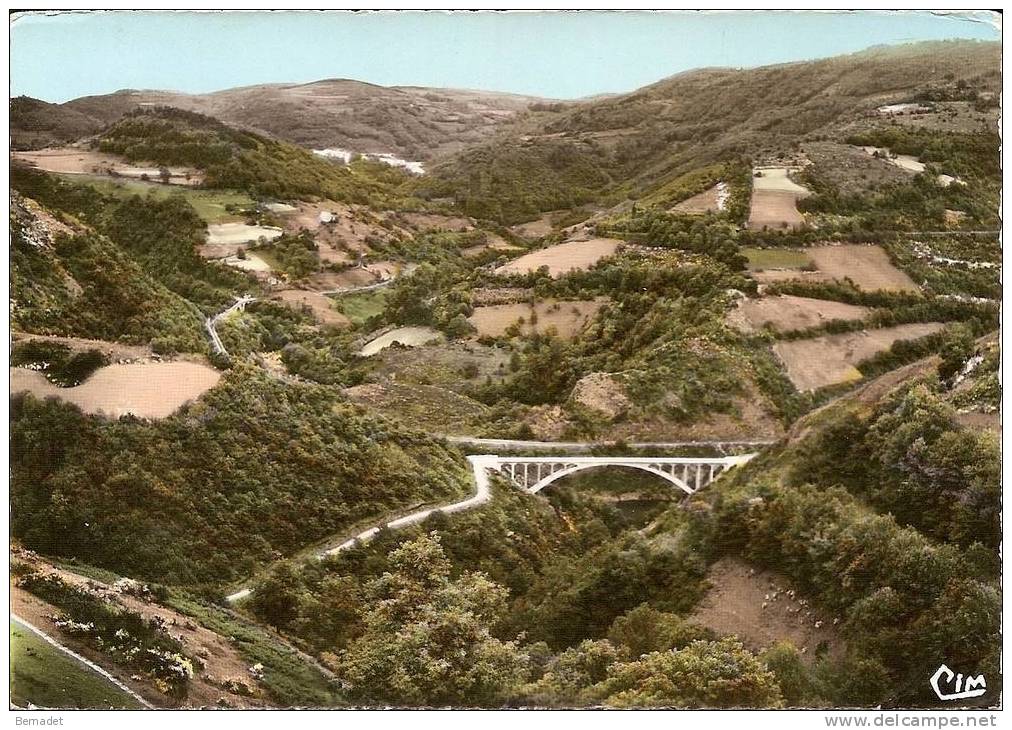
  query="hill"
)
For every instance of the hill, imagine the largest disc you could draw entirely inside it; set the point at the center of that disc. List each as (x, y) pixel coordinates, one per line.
(411, 122)
(608, 149)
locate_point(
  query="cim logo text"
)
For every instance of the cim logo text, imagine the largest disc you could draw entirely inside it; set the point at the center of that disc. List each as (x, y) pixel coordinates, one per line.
(972, 687)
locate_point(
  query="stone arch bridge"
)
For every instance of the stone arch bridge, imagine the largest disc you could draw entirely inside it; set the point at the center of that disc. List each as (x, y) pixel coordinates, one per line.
(690, 474)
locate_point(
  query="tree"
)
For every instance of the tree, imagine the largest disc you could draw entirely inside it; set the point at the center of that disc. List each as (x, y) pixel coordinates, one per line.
(956, 349)
(645, 629)
(276, 597)
(795, 683)
(570, 674)
(704, 674)
(427, 638)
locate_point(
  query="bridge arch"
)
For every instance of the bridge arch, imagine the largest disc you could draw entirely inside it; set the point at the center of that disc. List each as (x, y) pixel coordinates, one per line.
(650, 469)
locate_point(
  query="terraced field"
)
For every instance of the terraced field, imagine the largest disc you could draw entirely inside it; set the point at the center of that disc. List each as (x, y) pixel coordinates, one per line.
(832, 359)
(784, 313)
(564, 257)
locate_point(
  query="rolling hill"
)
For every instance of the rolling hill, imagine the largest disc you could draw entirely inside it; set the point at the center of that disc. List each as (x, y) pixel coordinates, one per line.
(412, 122)
(605, 150)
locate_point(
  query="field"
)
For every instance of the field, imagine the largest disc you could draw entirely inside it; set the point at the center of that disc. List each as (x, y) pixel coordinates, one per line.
(76, 161)
(777, 180)
(45, 676)
(353, 278)
(239, 233)
(774, 210)
(146, 390)
(567, 317)
(760, 259)
(536, 228)
(831, 359)
(360, 307)
(868, 267)
(785, 313)
(320, 305)
(493, 243)
(211, 205)
(407, 336)
(761, 608)
(774, 199)
(251, 262)
(708, 201)
(563, 258)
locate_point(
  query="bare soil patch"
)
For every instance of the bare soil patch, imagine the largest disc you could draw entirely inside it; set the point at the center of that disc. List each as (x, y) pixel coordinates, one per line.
(536, 228)
(774, 209)
(868, 267)
(568, 318)
(761, 608)
(831, 359)
(114, 351)
(785, 313)
(492, 242)
(564, 257)
(774, 199)
(406, 336)
(322, 307)
(708, 201)
(776, 179)
(146, 390)
(75, 161)
(601, 392)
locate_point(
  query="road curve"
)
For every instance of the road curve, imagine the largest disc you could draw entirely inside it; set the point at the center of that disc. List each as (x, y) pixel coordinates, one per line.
(211, 323)
(482, 494)
(90, 664)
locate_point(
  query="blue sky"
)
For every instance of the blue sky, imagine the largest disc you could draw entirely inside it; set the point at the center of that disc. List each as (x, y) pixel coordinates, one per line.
(560, 55)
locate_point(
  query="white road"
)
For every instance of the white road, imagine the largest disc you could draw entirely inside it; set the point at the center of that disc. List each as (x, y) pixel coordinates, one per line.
(90, 664)
(210, 324)
(482, 494)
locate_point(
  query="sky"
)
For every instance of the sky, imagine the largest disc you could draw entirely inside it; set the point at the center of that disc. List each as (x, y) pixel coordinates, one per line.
(562, 55)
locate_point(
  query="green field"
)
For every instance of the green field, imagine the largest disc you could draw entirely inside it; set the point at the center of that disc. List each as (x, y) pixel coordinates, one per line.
(209, 204)
(44, 676)
(775, 258)
(360, 307)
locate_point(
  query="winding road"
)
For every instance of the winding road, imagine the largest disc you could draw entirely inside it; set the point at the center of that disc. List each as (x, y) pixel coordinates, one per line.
(211, 323)
(482, 494)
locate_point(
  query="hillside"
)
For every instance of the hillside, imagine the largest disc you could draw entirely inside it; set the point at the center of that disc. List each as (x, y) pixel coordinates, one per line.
(250, 376)
(607, 149)
(411, 122)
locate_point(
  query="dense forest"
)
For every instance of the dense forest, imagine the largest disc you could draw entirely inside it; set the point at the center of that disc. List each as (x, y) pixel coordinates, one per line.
(208, 495)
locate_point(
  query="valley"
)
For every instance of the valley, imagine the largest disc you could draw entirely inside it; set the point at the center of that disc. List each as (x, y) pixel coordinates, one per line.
(280, 350)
